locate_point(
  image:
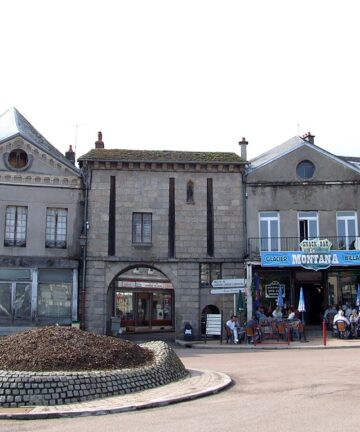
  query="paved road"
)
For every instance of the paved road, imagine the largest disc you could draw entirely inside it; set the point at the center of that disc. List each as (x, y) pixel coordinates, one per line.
(290, 391)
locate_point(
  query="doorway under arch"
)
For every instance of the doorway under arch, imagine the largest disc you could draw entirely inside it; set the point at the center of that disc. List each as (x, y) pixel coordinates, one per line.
(143, 299)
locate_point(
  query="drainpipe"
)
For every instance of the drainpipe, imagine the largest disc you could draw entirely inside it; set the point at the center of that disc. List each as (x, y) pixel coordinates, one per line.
(85, 174)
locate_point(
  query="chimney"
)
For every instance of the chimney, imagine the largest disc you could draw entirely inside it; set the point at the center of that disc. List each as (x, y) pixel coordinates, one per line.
(243, 143)
(309, 138)
(70, 155)
(99, 143)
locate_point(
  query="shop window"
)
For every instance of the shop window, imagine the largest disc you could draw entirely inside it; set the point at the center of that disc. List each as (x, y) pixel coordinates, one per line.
(269, 226)
(55, 294)
(5, 300)
(56, 228)
(142, 228)
(208, 273)
(347, 230)
(15, 226)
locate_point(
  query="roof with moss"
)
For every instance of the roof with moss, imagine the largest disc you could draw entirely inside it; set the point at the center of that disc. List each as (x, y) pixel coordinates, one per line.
(120, 155)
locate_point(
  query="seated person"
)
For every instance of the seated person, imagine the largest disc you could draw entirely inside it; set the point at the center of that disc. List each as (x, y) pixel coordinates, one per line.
(340, 316)
(277, 314)
(259, 314)
(233, 325)
(252, 323)
(354, 323)
(292, 314)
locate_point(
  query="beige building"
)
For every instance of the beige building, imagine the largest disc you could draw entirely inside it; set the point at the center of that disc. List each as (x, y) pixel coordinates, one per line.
(40, 224)
(303, 217)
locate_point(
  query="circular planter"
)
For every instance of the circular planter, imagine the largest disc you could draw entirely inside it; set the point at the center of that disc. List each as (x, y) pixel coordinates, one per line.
(23, 388)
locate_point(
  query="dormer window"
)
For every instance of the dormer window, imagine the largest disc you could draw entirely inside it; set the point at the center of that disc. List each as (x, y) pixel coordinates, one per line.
(18, 159)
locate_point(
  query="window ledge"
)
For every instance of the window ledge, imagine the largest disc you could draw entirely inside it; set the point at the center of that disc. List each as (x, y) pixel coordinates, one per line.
(142, 245)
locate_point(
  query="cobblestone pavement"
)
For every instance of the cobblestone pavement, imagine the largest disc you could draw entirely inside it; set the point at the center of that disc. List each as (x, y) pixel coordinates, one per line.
(198, 384)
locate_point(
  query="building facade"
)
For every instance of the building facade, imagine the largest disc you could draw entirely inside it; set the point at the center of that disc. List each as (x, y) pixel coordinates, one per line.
(161, 226)
(40, 224)
(303, 217)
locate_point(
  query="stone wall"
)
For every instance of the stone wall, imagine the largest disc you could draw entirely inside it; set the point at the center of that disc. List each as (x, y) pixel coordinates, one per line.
(57, 388)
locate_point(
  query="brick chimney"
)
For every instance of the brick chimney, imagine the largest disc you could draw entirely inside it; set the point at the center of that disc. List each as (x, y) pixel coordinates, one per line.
(243, 143)
(70, 155)
(309, 138)
(99, 144)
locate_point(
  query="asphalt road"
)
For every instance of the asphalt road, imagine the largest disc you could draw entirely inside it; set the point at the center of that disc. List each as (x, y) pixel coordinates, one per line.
(290, 391)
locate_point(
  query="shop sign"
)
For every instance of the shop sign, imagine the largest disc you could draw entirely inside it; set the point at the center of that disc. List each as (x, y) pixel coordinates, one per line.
(315, 255)
(272, 289)
(143, 284)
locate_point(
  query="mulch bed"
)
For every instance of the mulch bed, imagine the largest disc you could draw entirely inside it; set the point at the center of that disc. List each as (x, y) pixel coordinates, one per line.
(57, 348)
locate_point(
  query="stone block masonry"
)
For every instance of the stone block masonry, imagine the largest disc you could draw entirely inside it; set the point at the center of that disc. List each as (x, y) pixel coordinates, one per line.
(58, 388)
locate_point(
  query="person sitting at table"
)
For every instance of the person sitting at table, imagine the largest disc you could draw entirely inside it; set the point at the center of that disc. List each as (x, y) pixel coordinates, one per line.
(277, 314)
(354, 323)
(329, 315)
(259, 314)
(233, 325)
(292, 314)
(340, 316)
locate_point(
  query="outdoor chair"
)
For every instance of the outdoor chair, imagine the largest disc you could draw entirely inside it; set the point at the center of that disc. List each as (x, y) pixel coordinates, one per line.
(297, 329)
(342, 332)
(281, 330)
(250, 334)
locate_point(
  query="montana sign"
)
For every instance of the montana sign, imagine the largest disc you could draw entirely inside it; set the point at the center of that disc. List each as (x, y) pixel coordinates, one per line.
(315, 255)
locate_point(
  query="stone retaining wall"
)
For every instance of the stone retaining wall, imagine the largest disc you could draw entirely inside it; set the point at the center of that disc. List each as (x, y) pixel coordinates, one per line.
(19, 388)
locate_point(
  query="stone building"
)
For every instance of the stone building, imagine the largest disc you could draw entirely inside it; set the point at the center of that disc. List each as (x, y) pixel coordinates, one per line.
(302, 216)
(161, 226)
(40, 224)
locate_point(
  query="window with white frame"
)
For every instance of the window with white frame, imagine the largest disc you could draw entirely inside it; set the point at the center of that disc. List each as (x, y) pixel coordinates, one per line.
(308, 225)
(56, 228)
(347, 229)
(141, 228)
(15, 226)
(269, 228)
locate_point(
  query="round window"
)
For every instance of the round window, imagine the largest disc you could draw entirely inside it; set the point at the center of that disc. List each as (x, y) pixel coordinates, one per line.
(305, 170)
(18, 159)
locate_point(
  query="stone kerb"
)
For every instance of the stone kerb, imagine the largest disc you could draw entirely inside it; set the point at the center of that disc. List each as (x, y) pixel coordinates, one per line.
(22, 388)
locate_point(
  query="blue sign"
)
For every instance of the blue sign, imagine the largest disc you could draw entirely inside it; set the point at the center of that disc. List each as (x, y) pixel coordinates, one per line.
(312, 260)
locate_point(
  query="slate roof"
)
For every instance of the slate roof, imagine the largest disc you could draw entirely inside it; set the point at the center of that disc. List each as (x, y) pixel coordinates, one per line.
(13, 123)
(120, 155)
(293, 144)
(351, 159)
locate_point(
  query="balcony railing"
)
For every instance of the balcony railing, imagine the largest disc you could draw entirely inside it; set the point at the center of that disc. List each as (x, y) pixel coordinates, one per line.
(274, 244)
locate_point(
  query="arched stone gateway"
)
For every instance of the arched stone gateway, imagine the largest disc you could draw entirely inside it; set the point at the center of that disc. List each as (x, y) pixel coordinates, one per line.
(141, 299)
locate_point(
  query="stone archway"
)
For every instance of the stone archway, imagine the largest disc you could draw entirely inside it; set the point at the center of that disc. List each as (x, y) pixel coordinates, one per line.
(141, 299)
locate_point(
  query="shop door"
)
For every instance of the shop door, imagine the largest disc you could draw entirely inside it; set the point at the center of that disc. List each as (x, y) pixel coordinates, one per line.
(143, 309)
(15, 303)
(314, 301)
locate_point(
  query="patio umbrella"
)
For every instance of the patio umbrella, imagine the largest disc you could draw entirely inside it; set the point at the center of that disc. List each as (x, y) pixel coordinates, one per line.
(301, 307)
(358, 296)
(280, 301)
(241, 302)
